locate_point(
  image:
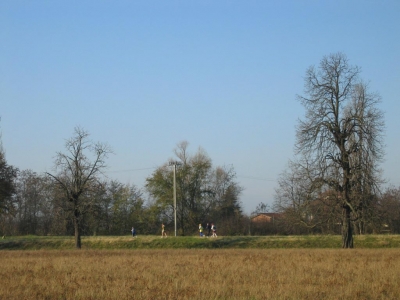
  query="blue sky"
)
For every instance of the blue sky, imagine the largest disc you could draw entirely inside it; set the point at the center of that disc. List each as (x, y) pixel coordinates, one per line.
(143, 76)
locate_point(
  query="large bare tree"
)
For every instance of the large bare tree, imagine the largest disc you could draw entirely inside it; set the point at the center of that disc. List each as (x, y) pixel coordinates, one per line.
(77, 175)
(341, 136)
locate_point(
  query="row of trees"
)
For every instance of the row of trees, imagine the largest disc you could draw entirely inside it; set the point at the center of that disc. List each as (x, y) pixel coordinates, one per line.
(78, 199)
(332, 184)
(38, 204)
(324, 216)
(40, 207)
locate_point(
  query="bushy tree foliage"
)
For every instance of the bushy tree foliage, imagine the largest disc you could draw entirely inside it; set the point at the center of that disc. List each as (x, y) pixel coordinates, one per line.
(8, 174)
(204, 194)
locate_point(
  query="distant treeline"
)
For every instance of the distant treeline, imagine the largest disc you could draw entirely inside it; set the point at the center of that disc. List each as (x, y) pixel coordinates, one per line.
(38, 210)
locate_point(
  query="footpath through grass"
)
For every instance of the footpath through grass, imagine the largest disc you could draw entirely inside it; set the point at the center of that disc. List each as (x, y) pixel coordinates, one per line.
(191, 242)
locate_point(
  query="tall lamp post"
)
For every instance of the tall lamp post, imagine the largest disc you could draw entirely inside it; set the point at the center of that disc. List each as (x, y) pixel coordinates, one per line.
(174, 163)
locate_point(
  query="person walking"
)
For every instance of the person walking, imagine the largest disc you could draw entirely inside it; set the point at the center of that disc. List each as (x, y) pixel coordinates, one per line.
(208, 229)
(214, 230)
(201, 230)
(133, 230)
(163, 232)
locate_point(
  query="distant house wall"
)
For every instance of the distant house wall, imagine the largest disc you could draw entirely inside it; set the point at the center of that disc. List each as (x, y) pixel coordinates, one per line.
(264, 224)
(265, 217)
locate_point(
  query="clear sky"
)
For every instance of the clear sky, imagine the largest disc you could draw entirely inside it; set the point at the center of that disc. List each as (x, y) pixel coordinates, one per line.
(143, 76)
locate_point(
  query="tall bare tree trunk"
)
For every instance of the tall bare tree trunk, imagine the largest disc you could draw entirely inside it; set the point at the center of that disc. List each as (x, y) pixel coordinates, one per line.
(77, 230)
(347, 230)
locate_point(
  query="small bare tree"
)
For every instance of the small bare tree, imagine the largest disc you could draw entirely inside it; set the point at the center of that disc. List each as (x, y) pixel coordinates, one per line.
(77, 175)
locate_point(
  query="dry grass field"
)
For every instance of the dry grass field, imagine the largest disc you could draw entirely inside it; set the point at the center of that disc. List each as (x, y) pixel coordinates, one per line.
(201, 274)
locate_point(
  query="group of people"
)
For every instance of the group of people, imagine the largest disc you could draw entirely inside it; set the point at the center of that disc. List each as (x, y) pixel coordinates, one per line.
(210, 228)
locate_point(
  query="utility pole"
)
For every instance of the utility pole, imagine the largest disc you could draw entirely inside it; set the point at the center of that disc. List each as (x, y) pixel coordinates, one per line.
(174, 163)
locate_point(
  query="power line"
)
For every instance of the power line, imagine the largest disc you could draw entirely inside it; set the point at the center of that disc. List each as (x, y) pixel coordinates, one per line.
(256, 178)
(131, 170)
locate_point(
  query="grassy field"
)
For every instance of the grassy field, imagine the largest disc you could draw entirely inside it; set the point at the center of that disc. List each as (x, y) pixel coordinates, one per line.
(149, 267)
(228, 242)
(201, 274)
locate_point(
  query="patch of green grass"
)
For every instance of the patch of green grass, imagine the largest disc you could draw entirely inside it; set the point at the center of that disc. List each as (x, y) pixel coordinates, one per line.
(189, 242)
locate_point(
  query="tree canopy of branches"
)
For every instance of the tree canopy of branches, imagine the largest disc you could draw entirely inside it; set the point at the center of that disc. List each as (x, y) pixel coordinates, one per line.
(119, 206)
(77, 176)
(307, 208)
(204, 194)
(34, 202)
(339, 141)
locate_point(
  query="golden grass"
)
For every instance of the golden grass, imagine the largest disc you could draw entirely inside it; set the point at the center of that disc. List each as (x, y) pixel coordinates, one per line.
(201, 274)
